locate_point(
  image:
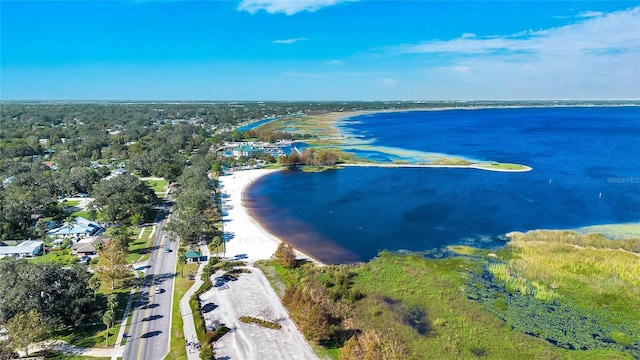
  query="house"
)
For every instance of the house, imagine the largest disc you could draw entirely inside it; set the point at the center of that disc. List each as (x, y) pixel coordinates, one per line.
(89, 245)
(78, 229)
(114, 173)
(29, 248)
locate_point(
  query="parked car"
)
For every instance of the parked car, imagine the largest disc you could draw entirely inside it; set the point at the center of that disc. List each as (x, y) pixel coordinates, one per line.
(157, 290)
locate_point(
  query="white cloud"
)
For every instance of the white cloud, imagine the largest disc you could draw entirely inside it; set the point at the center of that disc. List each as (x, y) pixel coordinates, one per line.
(468, 35)
(595, 57)
(288, 7)
(334, 62)
(288, 41)
(617, 32)
(590, 14)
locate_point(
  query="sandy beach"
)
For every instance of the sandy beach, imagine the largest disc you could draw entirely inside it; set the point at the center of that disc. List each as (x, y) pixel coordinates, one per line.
(243, 235)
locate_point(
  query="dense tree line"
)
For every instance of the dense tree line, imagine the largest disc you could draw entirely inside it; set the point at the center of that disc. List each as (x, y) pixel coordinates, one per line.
(123, 198)
(196, 210)
(29, 195)
(314, 157)
(60, 296)
(260, 134)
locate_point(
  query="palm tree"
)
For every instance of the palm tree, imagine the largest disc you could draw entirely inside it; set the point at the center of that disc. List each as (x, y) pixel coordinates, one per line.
(182, 260)
(217, 241)
(94, 284)
(112, 302)
(107, 319)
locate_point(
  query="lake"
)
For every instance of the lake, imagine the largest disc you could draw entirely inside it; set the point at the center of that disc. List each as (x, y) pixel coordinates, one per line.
(586, 171)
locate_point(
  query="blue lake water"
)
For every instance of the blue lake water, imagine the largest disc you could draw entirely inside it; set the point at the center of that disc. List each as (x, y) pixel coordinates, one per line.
(586, 171)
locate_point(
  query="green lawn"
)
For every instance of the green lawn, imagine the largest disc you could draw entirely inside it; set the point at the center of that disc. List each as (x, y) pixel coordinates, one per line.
(81, 213)
(178, 349)
(70, 203)
(63, 257)
(54, 355)
(158, 186)
(138, 247)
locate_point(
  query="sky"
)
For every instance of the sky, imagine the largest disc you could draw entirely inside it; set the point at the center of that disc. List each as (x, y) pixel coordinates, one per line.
(322, 50)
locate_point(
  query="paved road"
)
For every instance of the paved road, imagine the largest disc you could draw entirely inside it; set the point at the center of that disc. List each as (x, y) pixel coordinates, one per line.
(149, 334)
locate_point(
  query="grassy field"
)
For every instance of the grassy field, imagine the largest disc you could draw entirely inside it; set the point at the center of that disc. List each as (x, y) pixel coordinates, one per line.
(509, 303)
(455, 327)
(63, 257)
(82, 213)
(178, 350)
(322, 126)
(70, 203)
(138, 246)
(158, 185)
(54, 355)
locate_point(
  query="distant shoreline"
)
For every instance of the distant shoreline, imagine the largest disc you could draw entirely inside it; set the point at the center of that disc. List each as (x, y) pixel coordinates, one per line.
(470, 166)
(332, 136)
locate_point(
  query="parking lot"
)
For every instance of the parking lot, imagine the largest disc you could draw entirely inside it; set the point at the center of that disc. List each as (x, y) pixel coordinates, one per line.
(251, 295)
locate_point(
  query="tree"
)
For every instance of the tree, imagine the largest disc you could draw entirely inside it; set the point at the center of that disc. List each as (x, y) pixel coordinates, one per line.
(122, 197)
(316, 323)
(217, 241)
(24, 329)
(94, 284)
(216, 168)
(112, 302)
(122, 233)
(107, 319)
(365, 346)
(112, 262)
(285, 255)
(60, 295)
(182, 260)
(191, 226)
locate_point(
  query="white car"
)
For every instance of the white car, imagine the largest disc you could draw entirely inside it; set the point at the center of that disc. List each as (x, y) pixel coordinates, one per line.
(157, 290)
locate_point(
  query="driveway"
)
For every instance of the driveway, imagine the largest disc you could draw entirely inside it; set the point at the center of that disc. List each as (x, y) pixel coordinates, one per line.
(252, 295)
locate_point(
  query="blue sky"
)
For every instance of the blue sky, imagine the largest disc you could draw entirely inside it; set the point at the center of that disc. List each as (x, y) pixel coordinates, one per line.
(319, 50)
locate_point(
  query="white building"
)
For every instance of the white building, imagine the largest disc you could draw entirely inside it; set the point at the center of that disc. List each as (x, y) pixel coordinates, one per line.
(29, 248)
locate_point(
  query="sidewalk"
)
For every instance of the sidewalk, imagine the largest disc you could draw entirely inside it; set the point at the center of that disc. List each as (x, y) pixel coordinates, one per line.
(189, 326)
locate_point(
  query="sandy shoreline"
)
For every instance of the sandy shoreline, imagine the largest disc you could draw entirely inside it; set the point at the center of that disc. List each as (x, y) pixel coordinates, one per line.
(243, 234)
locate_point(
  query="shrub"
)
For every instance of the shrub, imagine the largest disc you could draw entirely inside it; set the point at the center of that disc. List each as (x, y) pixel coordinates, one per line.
(206, 353)
(263, 323)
